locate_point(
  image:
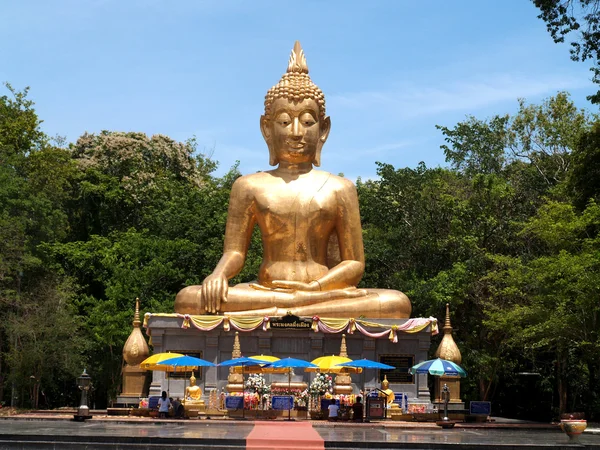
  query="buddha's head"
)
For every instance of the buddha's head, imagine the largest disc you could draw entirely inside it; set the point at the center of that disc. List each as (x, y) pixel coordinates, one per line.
(294, 124)
(192, 380)
(385, 383)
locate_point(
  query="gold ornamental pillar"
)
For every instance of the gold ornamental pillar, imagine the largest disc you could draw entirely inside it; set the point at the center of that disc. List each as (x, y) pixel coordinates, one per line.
(343, 382)
(235, 381)
(448, 350)
(135, 351)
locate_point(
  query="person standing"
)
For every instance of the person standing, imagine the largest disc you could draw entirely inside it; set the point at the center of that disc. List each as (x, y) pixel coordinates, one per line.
(333, 409)
(163, 405)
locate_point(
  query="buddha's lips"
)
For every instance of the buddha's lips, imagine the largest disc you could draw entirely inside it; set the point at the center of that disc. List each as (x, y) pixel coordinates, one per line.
(295, 145)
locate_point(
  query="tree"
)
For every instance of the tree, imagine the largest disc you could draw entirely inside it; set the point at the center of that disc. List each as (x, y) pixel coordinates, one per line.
(34, 185)
(584, 179)
(563, 17)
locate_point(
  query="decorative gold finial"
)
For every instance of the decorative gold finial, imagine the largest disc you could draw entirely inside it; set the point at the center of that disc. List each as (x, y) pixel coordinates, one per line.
(447, 325)
(237, 350)
(297, 60)
(343, 348)
(136, 315)
(448, 348)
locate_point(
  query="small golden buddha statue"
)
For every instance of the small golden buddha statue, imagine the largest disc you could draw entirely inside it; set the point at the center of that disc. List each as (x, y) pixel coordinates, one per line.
(387, 392)
(313, 256)
(192, 392)
(192, 402)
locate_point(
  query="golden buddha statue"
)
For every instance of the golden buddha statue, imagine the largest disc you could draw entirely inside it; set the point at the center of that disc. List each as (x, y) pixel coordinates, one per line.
(192, 401)
(309, 220)
(387, 392)
(193, 392)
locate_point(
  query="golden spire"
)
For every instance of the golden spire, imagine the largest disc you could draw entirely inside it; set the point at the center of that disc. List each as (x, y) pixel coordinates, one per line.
(343, 348)
(237, 351)
(135, 349)
(297, 61)
(448, 348)
(136, 314)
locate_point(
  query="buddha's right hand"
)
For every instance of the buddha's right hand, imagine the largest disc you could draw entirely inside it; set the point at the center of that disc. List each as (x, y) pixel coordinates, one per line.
(213, 292)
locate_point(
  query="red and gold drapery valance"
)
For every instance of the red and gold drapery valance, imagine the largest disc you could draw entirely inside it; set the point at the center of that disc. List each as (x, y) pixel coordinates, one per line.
(323, 325)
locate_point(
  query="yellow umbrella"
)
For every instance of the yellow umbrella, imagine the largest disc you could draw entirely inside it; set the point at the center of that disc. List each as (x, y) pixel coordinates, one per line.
(154, 362)
(331, 364)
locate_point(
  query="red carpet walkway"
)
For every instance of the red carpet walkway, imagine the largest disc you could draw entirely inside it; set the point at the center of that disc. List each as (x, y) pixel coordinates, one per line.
(287, 435)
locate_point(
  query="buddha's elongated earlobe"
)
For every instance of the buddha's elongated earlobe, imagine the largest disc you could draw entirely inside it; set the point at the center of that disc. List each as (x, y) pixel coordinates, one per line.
(265, 124)
(325, 128)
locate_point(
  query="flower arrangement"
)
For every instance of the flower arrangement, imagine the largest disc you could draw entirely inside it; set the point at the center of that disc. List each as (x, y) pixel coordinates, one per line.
(256, 383)
(251, 401)
(321, 384)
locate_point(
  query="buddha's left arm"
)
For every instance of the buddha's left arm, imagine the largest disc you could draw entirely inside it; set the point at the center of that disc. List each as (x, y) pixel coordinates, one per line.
(351, 268)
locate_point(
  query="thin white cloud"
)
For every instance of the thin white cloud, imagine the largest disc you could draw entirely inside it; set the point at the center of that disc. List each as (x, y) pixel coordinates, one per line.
(487, 90)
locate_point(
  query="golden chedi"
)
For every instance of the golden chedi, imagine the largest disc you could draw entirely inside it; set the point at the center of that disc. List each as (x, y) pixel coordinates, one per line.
(313, 256)
(343, 382)
(135, 351)
(235, 381)
(449, 351)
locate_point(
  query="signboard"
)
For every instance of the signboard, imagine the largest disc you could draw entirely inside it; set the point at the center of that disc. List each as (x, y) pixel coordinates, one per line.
(375, 408)
(234, 402)
(290, 322)
(401, 363)
(401, 399)
(282, 402)
(480, 408)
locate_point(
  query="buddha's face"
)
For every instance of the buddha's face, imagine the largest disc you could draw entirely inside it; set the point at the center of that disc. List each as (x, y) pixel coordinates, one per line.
(294, 133)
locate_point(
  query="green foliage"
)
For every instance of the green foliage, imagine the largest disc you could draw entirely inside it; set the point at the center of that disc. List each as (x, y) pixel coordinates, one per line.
(581, 17)
(584, 178)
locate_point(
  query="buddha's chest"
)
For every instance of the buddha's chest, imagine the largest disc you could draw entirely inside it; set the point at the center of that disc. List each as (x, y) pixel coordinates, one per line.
(312, 206)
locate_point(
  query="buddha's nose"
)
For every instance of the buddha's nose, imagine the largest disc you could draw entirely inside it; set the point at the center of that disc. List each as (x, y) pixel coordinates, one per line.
(296, 128)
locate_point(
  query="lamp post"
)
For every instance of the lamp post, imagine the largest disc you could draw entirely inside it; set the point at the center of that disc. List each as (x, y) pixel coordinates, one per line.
(84, 382)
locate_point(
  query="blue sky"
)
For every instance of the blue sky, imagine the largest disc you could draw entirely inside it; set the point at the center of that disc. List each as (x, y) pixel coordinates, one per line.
(390, 70)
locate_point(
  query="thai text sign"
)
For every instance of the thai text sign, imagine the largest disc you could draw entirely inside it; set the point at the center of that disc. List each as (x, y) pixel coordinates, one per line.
(290, 322)
(234, 402)
(480, 408)
(282, 402)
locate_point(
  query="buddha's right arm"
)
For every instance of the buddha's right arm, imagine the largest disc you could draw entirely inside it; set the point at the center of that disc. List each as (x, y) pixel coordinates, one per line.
(240, 223)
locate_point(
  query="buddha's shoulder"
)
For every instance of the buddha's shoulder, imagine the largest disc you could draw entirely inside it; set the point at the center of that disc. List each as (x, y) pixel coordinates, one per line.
(253, 179)
(335, 181)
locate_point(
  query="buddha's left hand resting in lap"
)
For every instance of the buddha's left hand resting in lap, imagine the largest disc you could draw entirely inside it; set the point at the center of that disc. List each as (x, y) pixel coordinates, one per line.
(313, 256)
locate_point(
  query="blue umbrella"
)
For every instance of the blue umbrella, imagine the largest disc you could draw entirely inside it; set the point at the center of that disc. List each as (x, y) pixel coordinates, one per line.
(243, 361)
(439, 367)
(290, 363)
(186, 361)
(366, 364)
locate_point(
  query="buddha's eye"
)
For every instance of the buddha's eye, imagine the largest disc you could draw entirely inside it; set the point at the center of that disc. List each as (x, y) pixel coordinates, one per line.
(307, 120)
(284, 120)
